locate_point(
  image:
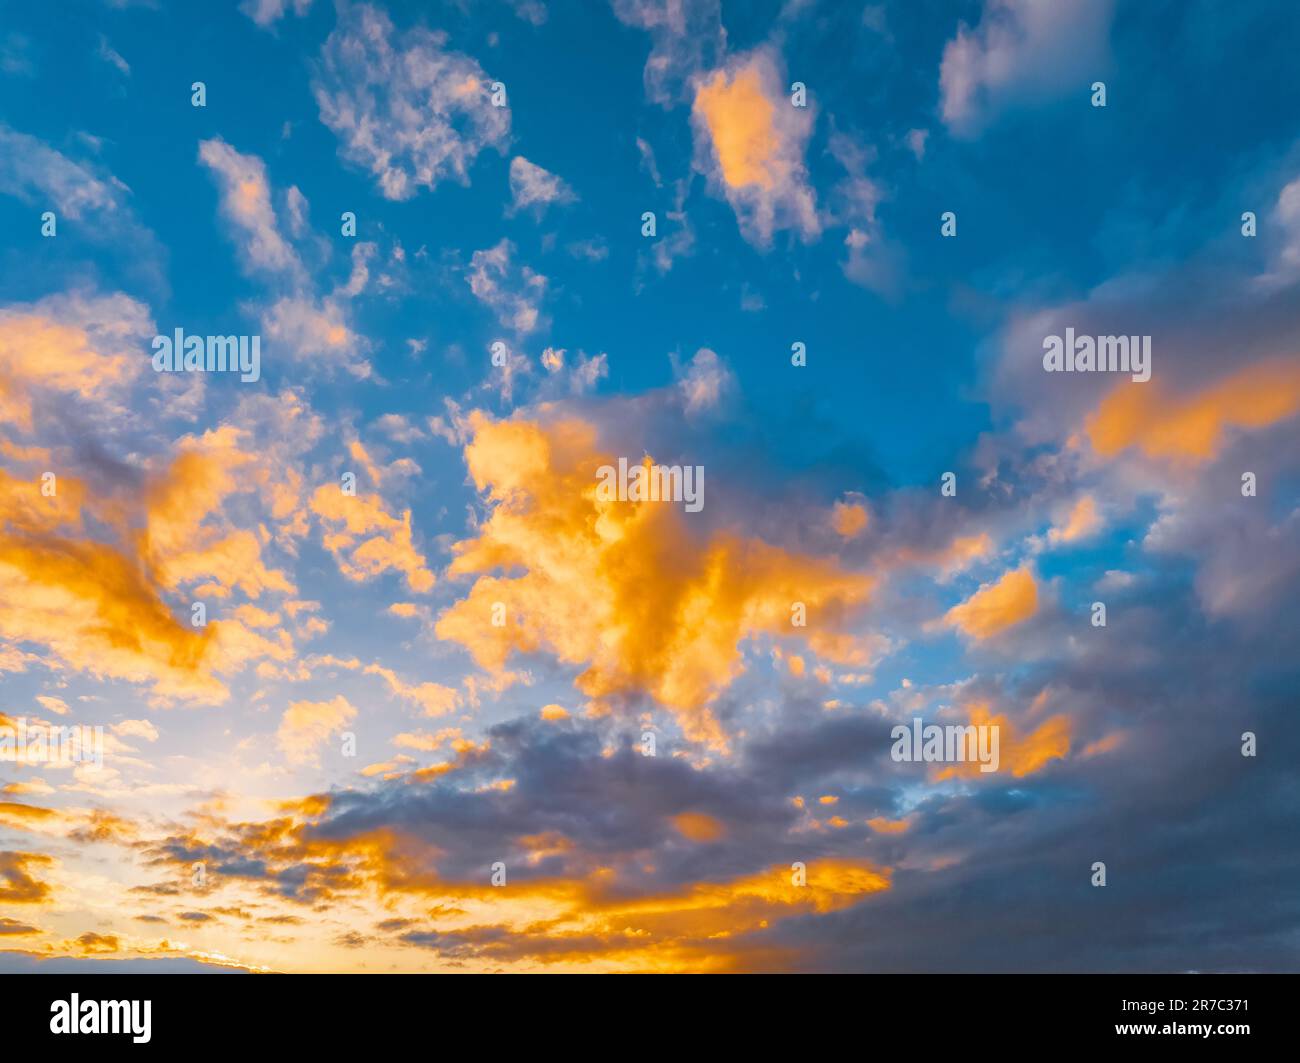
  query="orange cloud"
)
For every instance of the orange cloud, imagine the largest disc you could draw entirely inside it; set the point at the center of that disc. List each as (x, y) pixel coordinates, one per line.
(96, 611)
(366, 540)
(741, 122)
(626, 589)
(1192, 427)
(849, 519)
(698, 827)
(1081, 522)
(309, 724)
(996, 606)
(38, 352)
(18, 883)
(179, 545)
(1020, 755)
(750, 141)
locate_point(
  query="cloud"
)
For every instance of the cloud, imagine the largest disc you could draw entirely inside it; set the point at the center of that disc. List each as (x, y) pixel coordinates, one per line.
(531, 186)
(871, 260)
(750, 142)
(703, 382)
(180, 542)
(18, 881)
(686, 35)
(366, 539)
(404, 107)
(996, 606)
(513, 292)
(698, 826)
(298, 321)
(15, 55)
(316, 331)
(306, 725)
(136, 729)
(531, 11)
(35, 172)
(1021, 51)
(84, 568)
(268, 12)
(1082, 521)
(1191, 426)
(1020, 754)
(629, 591)
(246, 203)
(107, 54)
(849, 519)
(77, 346)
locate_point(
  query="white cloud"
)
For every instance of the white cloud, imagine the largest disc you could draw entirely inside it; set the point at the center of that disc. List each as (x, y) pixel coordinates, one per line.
(533, 11)
(1286, 219)
(246, 203)
(750, 143)
(107, 53)
(703, 382)
(1021, 50)
(513, 292)
(307, 725)
(530, 185)
(315, 330)
(52, 704)
(268, 12)
(136, 729)
(32, 171)
(686, 37)
(409, 110)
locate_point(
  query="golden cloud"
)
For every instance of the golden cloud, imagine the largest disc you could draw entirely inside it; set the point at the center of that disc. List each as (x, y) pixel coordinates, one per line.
(750, 141)
(1192, 427)
(1019, 754)
(996, 606)
(625, 589)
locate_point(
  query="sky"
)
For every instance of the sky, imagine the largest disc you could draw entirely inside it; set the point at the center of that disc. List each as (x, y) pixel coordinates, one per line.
(386, 680)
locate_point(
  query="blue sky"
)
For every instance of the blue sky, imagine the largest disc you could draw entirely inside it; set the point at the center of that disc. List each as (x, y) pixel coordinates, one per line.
(775, 225)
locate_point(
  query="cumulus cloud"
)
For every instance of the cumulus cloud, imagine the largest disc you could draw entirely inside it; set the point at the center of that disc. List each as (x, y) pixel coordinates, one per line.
(1082, 521)
(532, 186)
(33, 171)
(1021, 51)
(78, 346)
(703, 382)
(367, 539)
(307, 725)
(316, 330)
(686, 37)
(996, 606)
(246, 204)
(86, 569)
(268, 12)
(750, 142)
(83, 192)
(512, 291)
(1191, 426)
(299, 320)
(405, 107)
(627, 591)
